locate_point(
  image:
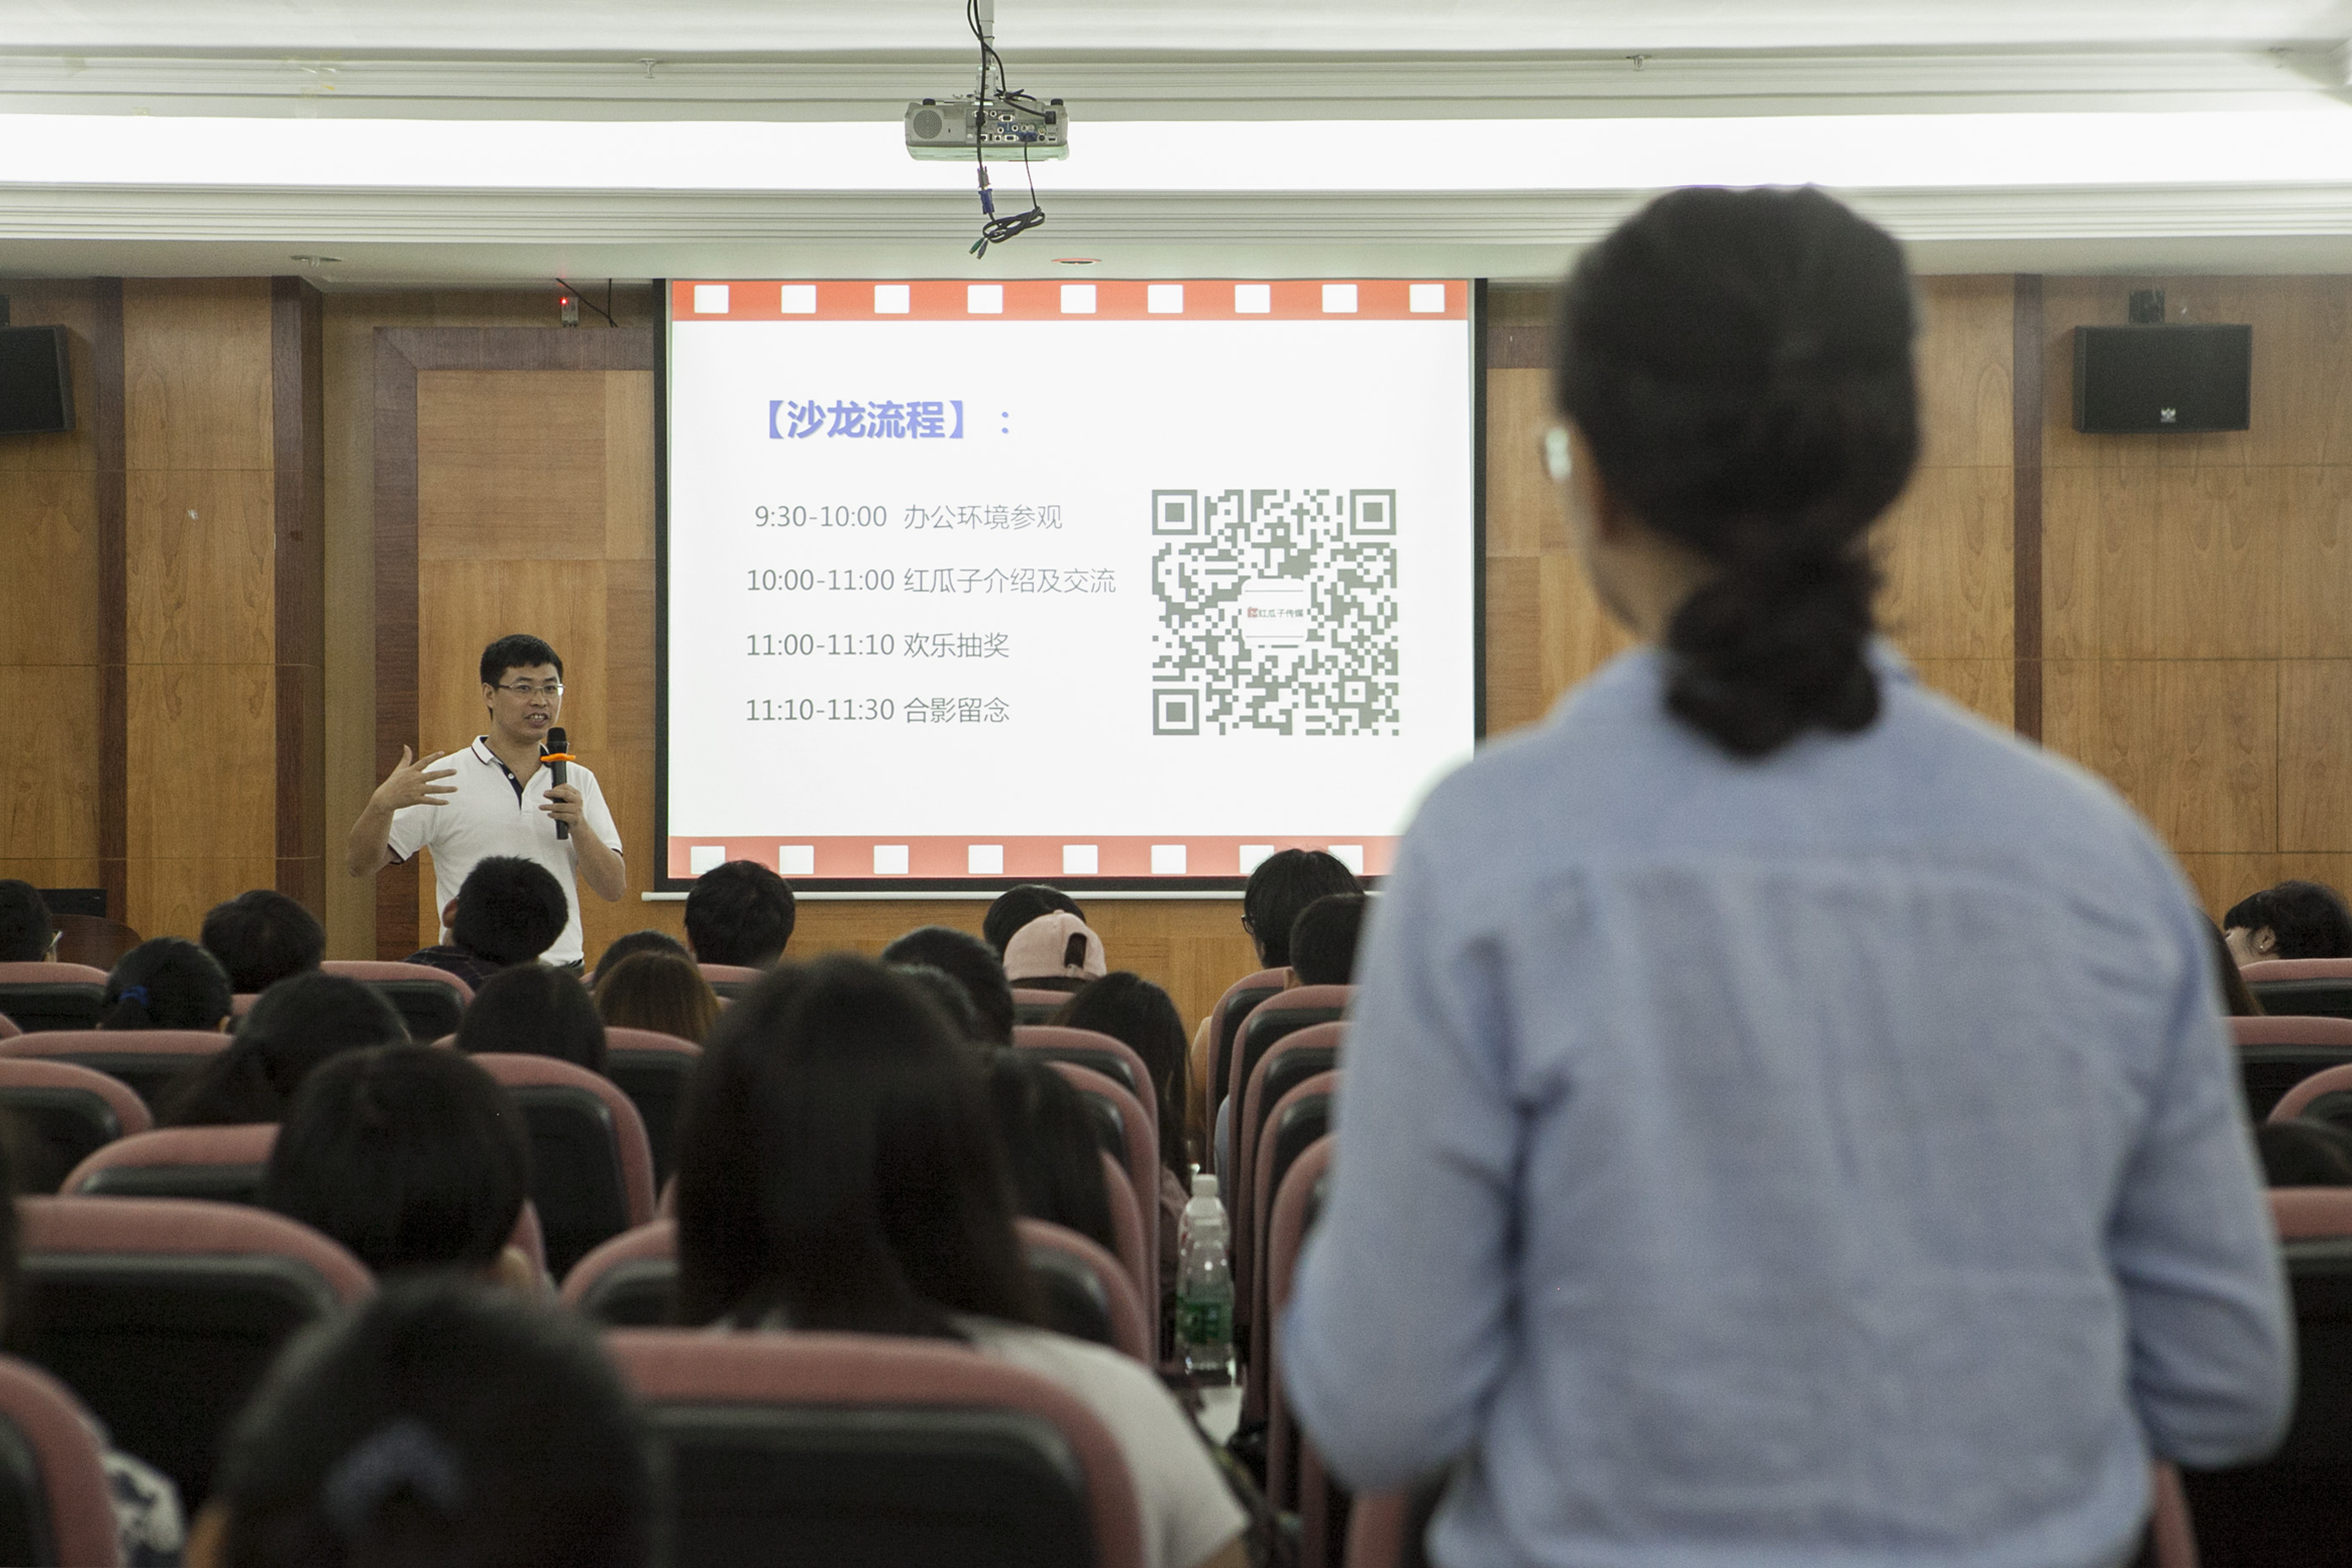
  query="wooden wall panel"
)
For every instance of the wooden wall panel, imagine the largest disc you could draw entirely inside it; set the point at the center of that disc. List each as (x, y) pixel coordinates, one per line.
(49, 567)
(2315, 763)
(516, 465)
(1945, 552)
(202, 567)
(202, 761)
(196, 373)
(49, 771)
(2192, 743)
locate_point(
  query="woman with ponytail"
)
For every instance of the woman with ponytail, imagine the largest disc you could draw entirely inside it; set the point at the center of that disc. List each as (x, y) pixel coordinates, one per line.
(166, 983)
(1788, 1119)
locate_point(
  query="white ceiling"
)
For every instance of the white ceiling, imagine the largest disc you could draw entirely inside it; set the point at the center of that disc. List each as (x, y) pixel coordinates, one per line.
(1381, 72)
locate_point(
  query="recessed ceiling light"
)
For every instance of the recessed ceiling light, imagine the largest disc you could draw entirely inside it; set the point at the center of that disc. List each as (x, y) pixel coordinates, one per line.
(1075, 260)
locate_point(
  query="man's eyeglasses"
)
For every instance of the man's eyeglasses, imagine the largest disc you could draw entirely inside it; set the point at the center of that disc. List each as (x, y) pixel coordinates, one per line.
(552, 689)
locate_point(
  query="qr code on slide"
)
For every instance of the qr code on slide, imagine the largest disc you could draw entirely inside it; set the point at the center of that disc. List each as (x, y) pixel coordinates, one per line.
(1277, 613)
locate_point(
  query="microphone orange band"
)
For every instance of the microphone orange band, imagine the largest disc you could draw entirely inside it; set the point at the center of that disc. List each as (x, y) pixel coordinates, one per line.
(557, 757)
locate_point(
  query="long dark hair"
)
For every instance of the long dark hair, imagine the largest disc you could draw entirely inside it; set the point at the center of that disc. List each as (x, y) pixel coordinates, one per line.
(1739, 363)
(297, 1023)
(1127, 1006)
(165, 983)
(838, 1163)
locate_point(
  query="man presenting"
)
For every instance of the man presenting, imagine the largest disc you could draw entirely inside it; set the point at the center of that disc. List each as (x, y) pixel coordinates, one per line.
(495, 799)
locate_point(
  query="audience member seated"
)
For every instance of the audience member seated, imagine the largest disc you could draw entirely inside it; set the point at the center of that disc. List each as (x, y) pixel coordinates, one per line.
(444, 1422)
(411, 1157)
(840, 1171)
(952, 998)
(2304, 1153)
(2237, 1000)
(972, 964)
(1055, 1155)
(1323, 939)
(27, 936)
(1017, 906)
(166, 983)
(1130, 1008)
(646, 941)
(261, 937)
(295, 1026)
(509, 910)
(532, 1010)
(1057, 952)
(2292, 920)
(740, 913)
(657, 991)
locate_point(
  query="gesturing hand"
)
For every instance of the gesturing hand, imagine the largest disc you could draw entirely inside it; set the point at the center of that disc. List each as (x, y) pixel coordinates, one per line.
(409, 784)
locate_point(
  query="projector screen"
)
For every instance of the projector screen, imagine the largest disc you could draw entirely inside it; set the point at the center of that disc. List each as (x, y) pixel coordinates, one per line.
(1122, 583)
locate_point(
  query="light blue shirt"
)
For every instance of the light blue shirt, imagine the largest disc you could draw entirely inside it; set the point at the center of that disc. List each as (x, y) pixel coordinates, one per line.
(1832, 1160)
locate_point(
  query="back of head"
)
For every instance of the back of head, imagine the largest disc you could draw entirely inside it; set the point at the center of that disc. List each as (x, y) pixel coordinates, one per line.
(509, 909)
(2309, 919)
(2303, 1154)
(1323, 939)
(975, 967)
(261, 937)
(1049, 1136)
(1739, 365)
(837, 1162)
(444, 1424)
(1057, 948)
(1017, 906)
(657, 991)
(166, 983)
(411, 1156)
(26, 932)
(740, 913)
(296, 1024)
(647, 941)
(534, 1011)
(948, 994)
(1127, 1007)
(1285, 883)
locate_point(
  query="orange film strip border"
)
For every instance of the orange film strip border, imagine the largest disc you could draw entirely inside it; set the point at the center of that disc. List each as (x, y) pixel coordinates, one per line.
(977, 856)
(1053, 300)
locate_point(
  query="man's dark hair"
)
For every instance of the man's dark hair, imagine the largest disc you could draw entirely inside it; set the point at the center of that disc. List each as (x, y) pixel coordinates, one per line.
(636, 941)
(298, 1024)
(165, 983)
(1285, 883)
(25, 929)
(1054, 1152)
(1739, 365)
(535, 1011)
(411, 1156)
(972, 965)
(446, 1423)
(1127, 1007)
(740, 913)
(2308, 918)
(837, 1163)
(947, 991)
(509, 909)
(517, 650)
(2304, 1153)
(261, 937)
(1323, 939)
(1016, 907)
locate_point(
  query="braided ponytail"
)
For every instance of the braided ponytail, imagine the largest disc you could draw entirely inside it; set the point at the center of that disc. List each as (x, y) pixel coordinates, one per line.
(1739, 363)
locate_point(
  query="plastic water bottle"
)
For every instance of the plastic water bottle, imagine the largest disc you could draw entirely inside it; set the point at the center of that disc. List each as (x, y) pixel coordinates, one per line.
(1204, 1291)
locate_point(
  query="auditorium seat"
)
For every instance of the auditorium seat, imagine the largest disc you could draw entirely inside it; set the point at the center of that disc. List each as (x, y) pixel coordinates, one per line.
(149, 1060)
(222, 1165)
(627, 1282)
(1292, 1214)
(2276, 1054)
(2293, 1508)
(1132, 1138)
(1225, 1022)
(2323, 1096)
(591, 1169)
(430, 1002)
(37, 997)
(161, 1314)
(731, 980)
(826, 1449)
(2302, 986)
(1088, 1293)
(1127, 1233)
(1295, 1126)
(1272, 1019)
(56, 1505)
(1114, 1058)
(63, 1113)
(1032, 1005)
(1289, 1061)
(8, 1030)
(242, 1003)
(654, 1070)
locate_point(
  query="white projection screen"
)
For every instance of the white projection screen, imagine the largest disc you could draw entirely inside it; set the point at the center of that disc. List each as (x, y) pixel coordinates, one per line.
(1123, 585)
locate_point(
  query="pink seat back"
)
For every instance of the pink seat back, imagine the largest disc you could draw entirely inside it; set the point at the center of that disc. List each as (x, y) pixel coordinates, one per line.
(858, 1372)
(2291, 1029)
(8, 1030)
(1141, 1172)
(1061, 1037)
(246, 1145)
(2295, 969)
(630, 1148)
(1130, 1331)
(76, 1499)
(2311, 1213)
(620, 1038)
(1252, 1194)
(2296, 1100)
(1126, 1230)
(40, 1072)
(1225, 1022)
(652, 1242)
(1286, 1236)
(242, 1003)
(731, 974)
(373, 969)
(185, 1227)
(39, 973)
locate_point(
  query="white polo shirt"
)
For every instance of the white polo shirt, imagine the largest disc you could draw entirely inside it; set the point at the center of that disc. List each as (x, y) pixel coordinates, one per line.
(488, 812)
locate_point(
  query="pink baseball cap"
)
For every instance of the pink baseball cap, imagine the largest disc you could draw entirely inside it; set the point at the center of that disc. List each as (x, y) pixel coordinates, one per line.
(1057, 944)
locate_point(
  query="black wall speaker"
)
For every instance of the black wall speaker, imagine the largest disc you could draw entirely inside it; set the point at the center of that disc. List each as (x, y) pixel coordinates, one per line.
(2136, 381)
(35, 380)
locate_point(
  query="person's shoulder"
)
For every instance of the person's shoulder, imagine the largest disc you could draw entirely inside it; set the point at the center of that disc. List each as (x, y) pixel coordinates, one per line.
(1079, 1364)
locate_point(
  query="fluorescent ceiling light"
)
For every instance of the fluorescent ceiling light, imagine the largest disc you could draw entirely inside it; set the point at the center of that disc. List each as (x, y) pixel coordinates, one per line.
(2301, 146)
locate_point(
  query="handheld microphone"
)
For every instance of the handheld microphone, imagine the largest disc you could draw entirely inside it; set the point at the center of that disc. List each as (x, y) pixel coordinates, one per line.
(558, 753)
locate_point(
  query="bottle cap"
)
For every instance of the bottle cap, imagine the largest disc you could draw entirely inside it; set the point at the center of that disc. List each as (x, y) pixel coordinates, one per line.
(1205, 1185)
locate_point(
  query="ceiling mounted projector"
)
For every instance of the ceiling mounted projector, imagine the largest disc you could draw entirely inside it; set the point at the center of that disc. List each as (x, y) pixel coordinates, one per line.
(1001, 125)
